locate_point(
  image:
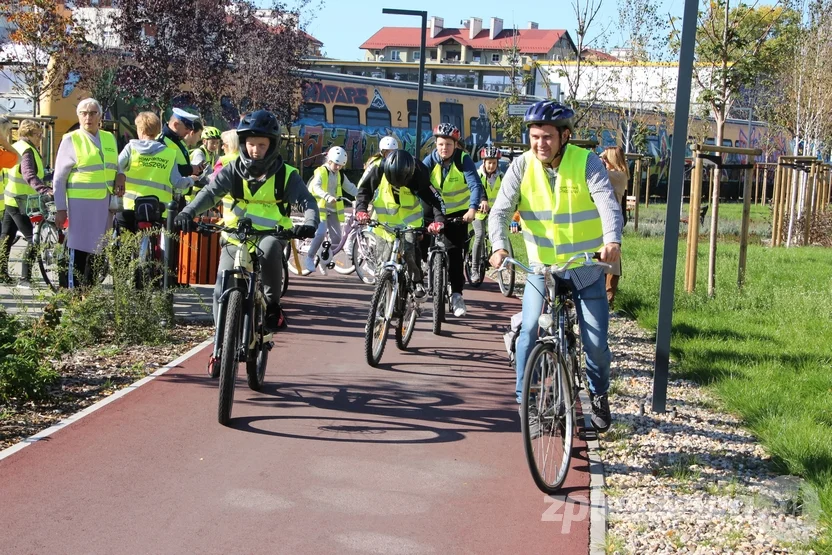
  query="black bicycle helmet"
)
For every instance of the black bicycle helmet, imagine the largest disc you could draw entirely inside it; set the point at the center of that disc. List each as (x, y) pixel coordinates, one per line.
(399, 167)
(261, 123)
(549, 112)
(490, 151)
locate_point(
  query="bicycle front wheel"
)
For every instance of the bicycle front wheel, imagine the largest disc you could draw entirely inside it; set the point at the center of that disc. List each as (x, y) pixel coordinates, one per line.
(284, 286)
(438, 287)
(375, 332)
(547, 418)
(229, 360)
(343, 262)
(51, 253)
(364, 257)
(257, 359)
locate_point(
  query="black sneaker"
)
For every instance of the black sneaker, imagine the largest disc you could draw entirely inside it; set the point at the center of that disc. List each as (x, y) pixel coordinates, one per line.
(601, 417)
(275, 319)
(419, 292)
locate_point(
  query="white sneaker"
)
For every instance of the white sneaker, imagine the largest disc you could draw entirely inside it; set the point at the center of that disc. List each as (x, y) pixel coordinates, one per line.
(458, 305)
(309, 264)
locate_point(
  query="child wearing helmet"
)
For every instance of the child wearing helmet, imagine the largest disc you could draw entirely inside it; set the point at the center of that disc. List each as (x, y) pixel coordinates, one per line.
(402, 197)
(205, 156)
(260, 186)
(455, 176)
(327, 184)
(491, 177)
(372, 168)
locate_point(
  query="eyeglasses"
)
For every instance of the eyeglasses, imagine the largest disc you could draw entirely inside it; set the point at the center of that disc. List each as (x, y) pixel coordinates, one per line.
(88, 114)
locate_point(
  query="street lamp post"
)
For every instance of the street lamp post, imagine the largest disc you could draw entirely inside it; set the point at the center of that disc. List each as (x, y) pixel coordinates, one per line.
(424, 16)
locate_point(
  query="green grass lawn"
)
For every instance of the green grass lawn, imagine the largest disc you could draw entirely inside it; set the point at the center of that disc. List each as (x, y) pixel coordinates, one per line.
(651, 221)
(766, 351)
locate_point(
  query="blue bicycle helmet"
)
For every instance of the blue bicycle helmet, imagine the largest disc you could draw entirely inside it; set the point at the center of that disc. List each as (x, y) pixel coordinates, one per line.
(549, 112)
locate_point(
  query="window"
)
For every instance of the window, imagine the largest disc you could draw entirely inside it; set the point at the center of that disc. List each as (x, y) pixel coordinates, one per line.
(451, 112)
(411, 105)
(345, 115)
(432, 54)
(417, 56)
(495, 58)
(426, 124)
(377, 117)
(394, 56)
(316, 112)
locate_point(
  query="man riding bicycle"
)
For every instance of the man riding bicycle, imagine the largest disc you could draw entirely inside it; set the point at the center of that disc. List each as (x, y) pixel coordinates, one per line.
(454, 175)
(491, 177)
(404, 183)
(261, 187)
(567, 206)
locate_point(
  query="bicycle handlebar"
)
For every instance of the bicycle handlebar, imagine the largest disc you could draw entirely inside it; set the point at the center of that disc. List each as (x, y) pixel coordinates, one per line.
(396, 230)
(589, 259)
(243, 232)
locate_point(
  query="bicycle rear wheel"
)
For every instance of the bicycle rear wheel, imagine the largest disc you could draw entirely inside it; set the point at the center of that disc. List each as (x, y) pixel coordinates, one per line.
(256, 365)
(406, 323)
(375, 332)
(284, 285)
(229, 359)
(51, 253)
(547, 418)
(505, 278)
(438, 287)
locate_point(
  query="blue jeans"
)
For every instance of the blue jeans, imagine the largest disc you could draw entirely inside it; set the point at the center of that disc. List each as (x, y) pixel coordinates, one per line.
(593, 319)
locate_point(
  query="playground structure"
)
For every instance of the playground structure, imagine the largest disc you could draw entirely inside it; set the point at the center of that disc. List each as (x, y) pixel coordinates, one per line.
(802, 187)
(714, 154)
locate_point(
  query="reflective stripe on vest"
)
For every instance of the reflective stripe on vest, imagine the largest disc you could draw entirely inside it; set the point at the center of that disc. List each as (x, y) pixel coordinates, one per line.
(407, 212)
(323, 173)
(16, 185)
(261, 208)
(490, 192)
(454, 189)
(561, 223)
(92, 177)
(149, 175)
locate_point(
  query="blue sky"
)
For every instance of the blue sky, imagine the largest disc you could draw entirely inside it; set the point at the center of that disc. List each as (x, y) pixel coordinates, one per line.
(342, 25)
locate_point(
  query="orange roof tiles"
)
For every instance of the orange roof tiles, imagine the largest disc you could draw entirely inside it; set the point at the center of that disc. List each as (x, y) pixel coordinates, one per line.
(531, 41)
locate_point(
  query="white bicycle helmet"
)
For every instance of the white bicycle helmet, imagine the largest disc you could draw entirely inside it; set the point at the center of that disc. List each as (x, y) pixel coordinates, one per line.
(388, 143)
(337, 155)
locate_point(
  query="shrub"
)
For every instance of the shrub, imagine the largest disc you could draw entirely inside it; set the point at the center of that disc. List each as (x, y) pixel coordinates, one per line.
(25, 348)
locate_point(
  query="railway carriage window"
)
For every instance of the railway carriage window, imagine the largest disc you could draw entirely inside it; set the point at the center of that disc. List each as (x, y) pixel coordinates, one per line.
(377, 117)
(345, 115)
(316, 112)
(426, 124)
(451, 112)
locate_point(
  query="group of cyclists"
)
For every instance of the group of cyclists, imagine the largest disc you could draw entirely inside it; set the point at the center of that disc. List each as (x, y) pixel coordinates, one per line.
(564, 198)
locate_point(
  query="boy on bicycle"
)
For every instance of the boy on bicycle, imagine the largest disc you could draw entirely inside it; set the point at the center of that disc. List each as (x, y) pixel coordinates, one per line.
(491, 179)
(454, 174)
(260, 186)
(567, 207)
(405, 186)
(327, 184)
(148, 168)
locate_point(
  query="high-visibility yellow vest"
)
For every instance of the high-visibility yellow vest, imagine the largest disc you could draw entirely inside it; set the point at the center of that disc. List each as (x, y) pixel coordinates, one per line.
(490, 191)
(210, 159)
(454, 188)
(92, 177)
(149, 175)
(225, 159)
(406, 212)
(3, 178)
(323, 173)
(561, 223)
(262, 208)
(16, 185)
(181, 159)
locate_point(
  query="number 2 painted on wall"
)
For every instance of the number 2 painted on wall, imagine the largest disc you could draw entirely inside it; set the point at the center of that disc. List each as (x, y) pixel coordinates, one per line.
(398, 115)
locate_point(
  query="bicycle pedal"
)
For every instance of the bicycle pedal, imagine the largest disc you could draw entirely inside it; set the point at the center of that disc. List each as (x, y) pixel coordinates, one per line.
(267, 340)
(331, 265)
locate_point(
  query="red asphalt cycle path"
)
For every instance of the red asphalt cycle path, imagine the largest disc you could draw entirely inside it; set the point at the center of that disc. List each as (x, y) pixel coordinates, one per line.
(421, 455)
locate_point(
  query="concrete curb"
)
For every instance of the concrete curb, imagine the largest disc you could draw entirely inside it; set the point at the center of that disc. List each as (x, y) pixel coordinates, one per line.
(9, 451)
(597, 497)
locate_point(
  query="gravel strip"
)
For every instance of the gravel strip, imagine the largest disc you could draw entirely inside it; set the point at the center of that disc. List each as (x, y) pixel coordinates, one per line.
(691, 480)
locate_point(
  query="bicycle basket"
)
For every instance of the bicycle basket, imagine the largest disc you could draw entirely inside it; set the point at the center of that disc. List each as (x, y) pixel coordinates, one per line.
(33, 205)
(148, 209)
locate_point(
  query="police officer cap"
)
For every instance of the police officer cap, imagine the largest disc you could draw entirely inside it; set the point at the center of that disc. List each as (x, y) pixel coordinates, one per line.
(185, 117)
